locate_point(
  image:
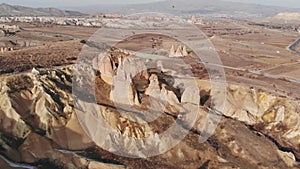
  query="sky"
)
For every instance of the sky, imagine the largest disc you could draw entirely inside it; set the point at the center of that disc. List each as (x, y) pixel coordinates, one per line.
(76, 3)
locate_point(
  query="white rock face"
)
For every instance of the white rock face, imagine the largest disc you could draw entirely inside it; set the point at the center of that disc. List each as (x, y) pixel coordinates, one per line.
(34, 71)
(153, 90)
(123, 91)
(191, 95)
(158, 93)
(169, 96)
(106, 66)
(255, 107)
(172, 51)
(184, 51)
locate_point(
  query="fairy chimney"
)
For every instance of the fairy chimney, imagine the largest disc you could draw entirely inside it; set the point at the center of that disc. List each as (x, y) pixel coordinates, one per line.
(105, 65)
(184, 51)
(179, 51)
(172, 51)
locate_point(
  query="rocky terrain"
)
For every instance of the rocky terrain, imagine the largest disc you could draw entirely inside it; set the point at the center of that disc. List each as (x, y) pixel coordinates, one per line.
(39, 127)
(47, 119)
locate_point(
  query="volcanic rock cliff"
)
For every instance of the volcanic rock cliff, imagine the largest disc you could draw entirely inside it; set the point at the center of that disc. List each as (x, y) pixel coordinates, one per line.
(39, 126)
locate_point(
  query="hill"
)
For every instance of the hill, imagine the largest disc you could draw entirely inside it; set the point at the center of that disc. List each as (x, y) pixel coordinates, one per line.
(15, 10)
(193, 7)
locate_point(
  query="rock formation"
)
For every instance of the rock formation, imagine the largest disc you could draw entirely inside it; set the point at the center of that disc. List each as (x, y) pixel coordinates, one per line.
(180, 52)
(184, 51)
(191, 95)
(39, 126)
(162, 94)
(34, 71)
(266, 113)
(172, 51)
(106, 68)
(2, 33)
(169, 96)
(5, 49)
(123, 91)
(153, 90)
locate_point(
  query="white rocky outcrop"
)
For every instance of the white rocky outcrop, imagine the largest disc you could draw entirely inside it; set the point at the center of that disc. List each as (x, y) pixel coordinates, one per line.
(123, 91)
(162, 93)
(181, 51)
(42, 99)
(169, 95)
(153, 89)
(106, 66)
(172, 51)
(191, 95)
(259, 108)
